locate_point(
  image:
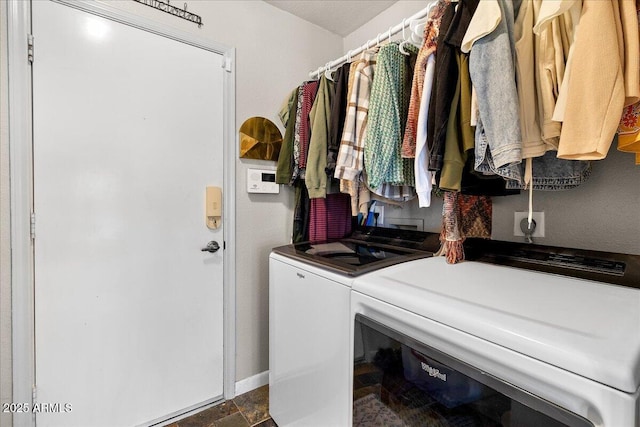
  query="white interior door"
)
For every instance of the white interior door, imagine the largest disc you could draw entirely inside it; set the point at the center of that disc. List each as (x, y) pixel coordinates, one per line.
(128, 132)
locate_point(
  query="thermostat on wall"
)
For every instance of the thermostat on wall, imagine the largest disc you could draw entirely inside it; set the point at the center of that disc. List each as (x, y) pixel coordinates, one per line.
(262, 181)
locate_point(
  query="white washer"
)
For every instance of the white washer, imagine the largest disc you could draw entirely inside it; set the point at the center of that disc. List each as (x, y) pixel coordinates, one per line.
(567, 347)
(309, 367)
(309, 318)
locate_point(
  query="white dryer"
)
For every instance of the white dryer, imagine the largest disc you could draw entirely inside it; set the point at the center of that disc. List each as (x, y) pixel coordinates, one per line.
(482, 344)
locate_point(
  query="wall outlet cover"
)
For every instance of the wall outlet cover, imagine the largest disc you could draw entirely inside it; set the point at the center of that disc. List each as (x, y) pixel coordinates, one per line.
(538, 217)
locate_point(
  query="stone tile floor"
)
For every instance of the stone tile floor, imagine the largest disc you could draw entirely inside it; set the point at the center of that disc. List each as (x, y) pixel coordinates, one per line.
(247, 410)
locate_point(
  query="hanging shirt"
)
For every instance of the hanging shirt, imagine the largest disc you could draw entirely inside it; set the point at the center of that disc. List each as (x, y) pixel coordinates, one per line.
(329, 218)
(300, 213)
(629, 131)
(359, 202)
(557, 23)
(423, 175)
(567, 14)
(532, 143)
(315, 176)
(338, 116)
(459, 138)
(629, 126)
(283, 171)
(394, 194)
(387, 118)
(484, 21)
(283, 113)
(309, 92)
(460, 135)
(549, 71)
(349, 164)
(595, 91)
(295, 170)
(630, 43)
(351, 152)
(443, 89)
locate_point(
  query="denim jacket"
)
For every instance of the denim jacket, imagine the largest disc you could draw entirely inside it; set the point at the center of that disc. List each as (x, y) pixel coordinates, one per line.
(492, 67)
(553, 174)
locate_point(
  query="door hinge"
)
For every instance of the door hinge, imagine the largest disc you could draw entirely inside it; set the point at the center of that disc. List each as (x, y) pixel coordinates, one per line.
(33, 226)
(30, 48)
(227, 64)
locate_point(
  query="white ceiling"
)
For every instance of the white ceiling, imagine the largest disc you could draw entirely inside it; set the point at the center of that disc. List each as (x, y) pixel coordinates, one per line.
(341, 17)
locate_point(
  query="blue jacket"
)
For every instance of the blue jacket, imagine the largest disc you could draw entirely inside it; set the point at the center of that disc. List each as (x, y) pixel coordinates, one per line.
(492, 68)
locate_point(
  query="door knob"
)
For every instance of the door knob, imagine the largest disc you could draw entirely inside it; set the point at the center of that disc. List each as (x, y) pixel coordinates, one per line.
(212, 247)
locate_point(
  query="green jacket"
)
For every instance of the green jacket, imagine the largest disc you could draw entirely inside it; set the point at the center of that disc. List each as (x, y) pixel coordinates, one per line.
(315, 175)
(460, 135)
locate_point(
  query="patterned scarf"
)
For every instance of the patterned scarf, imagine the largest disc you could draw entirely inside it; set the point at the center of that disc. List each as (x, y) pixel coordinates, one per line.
(463, 216)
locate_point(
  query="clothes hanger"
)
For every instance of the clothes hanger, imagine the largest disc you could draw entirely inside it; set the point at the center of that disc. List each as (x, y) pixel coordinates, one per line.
(404, 40)
(328, 70)
(416, 26)
(415, 23)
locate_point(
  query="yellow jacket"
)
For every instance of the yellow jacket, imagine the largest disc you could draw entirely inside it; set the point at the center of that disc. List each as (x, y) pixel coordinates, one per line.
(596, 86)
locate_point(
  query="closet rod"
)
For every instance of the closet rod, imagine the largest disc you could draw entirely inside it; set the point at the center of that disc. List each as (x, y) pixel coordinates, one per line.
(373, 42)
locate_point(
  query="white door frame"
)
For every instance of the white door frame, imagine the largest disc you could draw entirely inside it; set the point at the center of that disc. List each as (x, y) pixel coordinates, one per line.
(21, 156)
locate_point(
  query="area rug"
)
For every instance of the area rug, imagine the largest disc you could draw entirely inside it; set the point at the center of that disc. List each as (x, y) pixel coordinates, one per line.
(369, 411)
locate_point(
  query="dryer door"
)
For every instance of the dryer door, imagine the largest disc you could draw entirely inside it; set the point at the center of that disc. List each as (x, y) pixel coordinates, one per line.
(400, 381)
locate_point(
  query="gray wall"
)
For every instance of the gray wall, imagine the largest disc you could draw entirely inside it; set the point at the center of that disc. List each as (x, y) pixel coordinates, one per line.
(601, 214)
(381, 23)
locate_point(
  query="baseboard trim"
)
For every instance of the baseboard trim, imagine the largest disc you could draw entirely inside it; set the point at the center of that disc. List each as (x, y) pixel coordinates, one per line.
(252, 383)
